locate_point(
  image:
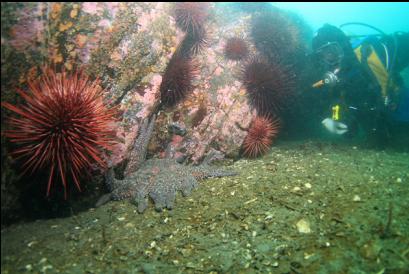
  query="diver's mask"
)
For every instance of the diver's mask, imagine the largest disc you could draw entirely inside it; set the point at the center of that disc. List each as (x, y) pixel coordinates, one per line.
(330, 54)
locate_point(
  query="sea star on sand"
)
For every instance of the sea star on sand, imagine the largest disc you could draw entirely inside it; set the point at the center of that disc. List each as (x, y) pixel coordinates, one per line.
(159, 179)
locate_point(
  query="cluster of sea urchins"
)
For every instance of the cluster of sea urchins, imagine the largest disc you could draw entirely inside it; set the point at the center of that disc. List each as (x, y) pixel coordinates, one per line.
(260, 136)
(182, 68)
(63, 126)
(190, 17)
(269, 77)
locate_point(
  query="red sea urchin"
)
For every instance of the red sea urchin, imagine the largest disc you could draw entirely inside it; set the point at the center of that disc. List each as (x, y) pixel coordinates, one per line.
(260, 136)
(236, 49)
(177, 80)
(190, 16)
(64, 125)
(268, 86)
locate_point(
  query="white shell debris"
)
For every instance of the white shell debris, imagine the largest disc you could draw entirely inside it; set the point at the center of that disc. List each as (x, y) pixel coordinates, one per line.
(30, 244)
(399, 180)
(307, 256)
(356, 198)
(307, 185)
(303, 226)
(295, 189)
(250, 201)
(269, 216)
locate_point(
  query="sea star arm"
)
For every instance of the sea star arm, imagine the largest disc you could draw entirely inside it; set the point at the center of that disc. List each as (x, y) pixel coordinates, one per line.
(138, 153)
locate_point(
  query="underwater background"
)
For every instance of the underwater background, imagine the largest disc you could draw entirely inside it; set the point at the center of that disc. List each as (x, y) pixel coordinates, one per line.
(187, 138)
(389, 17)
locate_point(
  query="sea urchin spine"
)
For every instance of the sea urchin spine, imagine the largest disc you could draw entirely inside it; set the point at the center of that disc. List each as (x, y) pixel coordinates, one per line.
(193, 43)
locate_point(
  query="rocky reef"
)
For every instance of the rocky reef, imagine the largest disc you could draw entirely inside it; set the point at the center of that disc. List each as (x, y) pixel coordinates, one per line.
(129, 47)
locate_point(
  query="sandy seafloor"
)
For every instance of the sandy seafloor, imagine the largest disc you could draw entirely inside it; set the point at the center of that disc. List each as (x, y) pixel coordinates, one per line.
(304, 208)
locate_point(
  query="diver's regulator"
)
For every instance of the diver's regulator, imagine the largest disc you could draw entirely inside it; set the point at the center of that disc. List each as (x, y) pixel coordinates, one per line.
(330, 79)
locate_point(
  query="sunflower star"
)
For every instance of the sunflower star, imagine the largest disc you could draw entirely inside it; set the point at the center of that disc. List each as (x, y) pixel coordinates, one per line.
(159, 179)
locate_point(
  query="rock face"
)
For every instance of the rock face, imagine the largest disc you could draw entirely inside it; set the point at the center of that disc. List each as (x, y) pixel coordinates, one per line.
(128, 46)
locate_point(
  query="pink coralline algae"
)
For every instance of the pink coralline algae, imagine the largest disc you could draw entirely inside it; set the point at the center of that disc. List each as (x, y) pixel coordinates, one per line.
(104, 23)
(120, 149)
(220, 125)
(26, 33)
(146, 18)
(112, 7)
(150, 96)
(92, 8)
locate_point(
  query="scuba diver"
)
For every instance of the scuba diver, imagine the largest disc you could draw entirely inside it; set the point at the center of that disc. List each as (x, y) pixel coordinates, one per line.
(363, 81)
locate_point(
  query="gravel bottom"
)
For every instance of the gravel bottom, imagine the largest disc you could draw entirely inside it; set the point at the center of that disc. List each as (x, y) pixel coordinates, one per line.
(304, 208)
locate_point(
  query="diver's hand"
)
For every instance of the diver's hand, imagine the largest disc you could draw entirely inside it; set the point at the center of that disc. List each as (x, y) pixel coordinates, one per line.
(334, 127)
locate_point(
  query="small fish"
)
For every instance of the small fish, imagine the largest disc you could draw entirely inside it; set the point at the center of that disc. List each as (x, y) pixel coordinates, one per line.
(334, 126)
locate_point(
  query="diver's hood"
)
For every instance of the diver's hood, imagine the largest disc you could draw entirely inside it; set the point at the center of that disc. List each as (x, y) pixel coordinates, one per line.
(329, 34)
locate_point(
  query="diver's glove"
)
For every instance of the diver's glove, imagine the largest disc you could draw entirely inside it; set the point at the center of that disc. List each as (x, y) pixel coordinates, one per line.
(334, 127)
